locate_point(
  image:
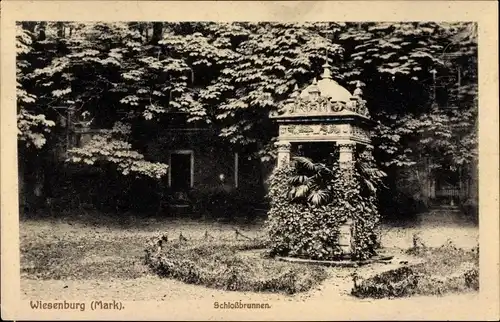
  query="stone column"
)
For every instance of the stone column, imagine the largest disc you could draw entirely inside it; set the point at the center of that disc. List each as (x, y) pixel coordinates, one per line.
(284, 148)
(346, 154)
(367, 156)
(346, 163)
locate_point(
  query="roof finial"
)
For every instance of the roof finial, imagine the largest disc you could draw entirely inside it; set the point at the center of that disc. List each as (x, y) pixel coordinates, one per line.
(327, 73)
(295, 92)
(314, 89)
(358, 91)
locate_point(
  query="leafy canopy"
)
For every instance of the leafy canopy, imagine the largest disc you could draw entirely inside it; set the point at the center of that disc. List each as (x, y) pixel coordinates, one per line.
(420, 80)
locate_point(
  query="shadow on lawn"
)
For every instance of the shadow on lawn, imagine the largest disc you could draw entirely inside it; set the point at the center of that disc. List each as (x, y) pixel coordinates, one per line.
(128, 220)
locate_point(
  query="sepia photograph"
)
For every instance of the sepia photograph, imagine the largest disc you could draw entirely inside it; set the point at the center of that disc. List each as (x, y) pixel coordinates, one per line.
(251, 165)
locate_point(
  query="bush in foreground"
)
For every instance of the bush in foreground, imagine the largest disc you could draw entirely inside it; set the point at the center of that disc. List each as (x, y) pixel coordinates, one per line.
(220, 264)
(445, 270)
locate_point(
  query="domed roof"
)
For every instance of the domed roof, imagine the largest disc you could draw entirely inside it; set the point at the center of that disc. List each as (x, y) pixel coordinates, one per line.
(327, 87)
(324, 99)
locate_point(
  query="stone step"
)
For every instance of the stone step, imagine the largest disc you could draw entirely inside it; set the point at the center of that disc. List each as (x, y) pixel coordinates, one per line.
(445, 209)
(446, 206)
(442, 211)
(443, 216)
(180, 209)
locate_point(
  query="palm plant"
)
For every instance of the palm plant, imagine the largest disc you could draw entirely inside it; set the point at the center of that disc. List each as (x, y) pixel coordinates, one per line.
(318, 184)
(313, 182)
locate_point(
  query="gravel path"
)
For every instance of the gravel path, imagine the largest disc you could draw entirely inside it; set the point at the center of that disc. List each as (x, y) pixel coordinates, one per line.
(151, 287)
(181, 301)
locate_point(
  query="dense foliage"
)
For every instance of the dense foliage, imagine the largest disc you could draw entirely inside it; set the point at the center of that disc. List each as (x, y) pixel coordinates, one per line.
(419, 81)
(222, 265)
(309, 202)
(111, 146)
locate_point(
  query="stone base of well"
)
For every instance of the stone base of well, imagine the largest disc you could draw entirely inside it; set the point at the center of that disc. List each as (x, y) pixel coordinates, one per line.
(340, 263)
(345, 238)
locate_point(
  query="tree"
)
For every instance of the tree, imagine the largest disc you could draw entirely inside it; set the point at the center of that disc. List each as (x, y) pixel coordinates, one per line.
(252, 68)
(421, 86)
(32, 124)
(86, 72)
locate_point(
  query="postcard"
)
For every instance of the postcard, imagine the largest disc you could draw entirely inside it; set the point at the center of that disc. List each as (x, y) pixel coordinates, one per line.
(249, 160)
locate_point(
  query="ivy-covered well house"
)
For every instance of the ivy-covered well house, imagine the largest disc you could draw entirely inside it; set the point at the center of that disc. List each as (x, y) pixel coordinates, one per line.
(323, 191)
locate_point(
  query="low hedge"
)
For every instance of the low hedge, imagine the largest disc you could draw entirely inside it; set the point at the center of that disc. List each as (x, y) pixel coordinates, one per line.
(219, 264)
(445, 270)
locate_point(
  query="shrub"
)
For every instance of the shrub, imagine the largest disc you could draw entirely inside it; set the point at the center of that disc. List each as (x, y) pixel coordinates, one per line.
(470, 208)
(399, 282)
(446, 269)
(300, 227)
(217, 264)
(400, 208)
(102, 189)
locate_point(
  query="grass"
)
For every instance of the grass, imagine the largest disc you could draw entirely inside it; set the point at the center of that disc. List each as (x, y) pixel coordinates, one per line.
(95, 246)
(444, 270)
(86, 258)
(222, 265)
(102, 248)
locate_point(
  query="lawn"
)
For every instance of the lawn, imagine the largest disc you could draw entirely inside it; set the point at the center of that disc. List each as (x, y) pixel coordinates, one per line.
(80, 248)
(95, 255)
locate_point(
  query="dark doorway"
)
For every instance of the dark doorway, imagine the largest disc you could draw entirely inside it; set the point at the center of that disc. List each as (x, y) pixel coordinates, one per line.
(180, 171)
(447, 186)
